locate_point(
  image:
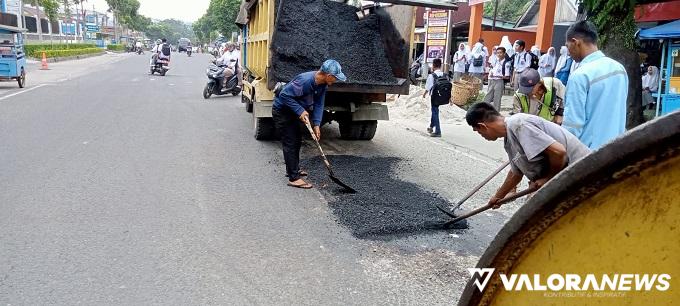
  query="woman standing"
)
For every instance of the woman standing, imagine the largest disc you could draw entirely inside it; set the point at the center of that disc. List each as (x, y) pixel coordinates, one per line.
(650, 85)
(459, 60)
(477, 61)
(546, 65)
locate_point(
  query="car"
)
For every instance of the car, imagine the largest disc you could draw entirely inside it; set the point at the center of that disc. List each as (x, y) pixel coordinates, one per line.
(183, 44)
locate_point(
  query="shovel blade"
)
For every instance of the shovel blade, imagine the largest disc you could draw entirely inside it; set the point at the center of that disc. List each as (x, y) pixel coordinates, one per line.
(347, 189)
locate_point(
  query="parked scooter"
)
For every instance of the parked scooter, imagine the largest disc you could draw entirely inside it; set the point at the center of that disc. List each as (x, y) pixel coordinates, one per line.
(162, 66)
(216, 84)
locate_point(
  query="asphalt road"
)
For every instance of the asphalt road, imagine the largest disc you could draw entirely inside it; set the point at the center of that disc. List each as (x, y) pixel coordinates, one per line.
(118, 187)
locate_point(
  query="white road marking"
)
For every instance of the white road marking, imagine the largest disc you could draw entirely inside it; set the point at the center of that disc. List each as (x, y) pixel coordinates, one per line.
(23, 91)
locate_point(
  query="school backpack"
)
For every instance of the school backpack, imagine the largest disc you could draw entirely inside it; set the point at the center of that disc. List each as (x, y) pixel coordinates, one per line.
(534, 61)
(478, 61)
(441, 91)
(508, 60)
(166, 49)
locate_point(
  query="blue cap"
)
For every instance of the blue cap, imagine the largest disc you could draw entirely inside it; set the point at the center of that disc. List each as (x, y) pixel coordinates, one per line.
(333, 68)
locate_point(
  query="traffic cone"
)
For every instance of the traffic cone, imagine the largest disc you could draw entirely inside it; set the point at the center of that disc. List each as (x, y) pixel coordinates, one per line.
(44, 62)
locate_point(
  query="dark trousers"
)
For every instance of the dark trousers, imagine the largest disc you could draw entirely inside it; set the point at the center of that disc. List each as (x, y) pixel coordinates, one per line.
(288, 125)
(434, 120)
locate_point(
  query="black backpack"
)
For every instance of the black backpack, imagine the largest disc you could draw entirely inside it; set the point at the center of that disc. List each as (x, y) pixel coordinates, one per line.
(508, 59)
(441, 91)
(534, 61)
(166, 49)
(478, 61)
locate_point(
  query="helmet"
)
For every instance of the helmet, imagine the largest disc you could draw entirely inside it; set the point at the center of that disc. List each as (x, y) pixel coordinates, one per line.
(158, 41)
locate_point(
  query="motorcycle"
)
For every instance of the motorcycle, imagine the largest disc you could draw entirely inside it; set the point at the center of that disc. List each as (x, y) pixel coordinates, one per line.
(161, 66)
(140, 50)
(189, 50)
(216, 86)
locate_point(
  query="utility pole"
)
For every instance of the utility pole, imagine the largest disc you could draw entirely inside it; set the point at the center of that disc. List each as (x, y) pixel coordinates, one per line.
(495, 14)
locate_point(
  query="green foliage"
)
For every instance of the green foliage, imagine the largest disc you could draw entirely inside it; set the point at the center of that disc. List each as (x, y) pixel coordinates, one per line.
(50, 7)
(35, 50)
(50, 53)
(73, 52)
(219, 18)
(115, 47)
(614, 20)
(171, 29)
(508, 10)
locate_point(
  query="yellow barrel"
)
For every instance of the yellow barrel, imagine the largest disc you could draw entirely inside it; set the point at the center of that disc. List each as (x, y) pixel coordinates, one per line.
(606, 231)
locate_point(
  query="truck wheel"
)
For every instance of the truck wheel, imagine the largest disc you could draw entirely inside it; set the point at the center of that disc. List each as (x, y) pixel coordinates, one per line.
(264, 129)
(358, 130)
(248, 103)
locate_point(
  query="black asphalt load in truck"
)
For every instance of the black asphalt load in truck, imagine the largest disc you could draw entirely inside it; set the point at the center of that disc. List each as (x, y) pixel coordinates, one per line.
(286, 37)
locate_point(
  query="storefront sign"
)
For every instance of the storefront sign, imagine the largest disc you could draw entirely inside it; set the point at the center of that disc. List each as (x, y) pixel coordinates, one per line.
(437, 34)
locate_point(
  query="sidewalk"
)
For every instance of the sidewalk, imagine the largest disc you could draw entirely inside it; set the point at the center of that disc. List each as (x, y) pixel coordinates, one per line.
(413, 113)
(61, 71)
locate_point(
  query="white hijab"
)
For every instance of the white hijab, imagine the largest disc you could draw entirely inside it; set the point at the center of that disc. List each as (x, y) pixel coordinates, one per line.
(460, 53)
(651, 81)
(505, 43)
(549, 58)
(535, 50)
(564, 54)
(478, 50)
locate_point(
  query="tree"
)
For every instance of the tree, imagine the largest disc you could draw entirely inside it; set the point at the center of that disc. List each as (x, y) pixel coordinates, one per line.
(124, 12)
(220, 17)
(616, 28)
(508, 10)
(51, 8)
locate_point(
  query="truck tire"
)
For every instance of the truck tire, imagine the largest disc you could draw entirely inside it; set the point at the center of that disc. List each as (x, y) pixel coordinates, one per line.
(264, 129)
(358, 130)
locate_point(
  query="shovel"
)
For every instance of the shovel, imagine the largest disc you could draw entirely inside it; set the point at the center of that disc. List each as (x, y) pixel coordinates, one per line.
(450, 223)
(473, 191)
(347, 189)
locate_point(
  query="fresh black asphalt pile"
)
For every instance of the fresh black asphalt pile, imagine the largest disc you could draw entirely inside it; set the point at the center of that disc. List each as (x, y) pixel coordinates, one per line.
(310, 31)
(384, 207)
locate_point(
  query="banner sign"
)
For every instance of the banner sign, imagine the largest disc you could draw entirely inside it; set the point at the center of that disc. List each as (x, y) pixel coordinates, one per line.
(437, 34)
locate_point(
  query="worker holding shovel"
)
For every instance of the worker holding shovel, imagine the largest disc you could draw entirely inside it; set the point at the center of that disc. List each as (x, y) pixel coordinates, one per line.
(293, 104)
(537, 148)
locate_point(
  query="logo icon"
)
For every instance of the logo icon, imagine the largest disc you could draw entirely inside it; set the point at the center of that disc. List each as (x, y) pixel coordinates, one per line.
(484, 274)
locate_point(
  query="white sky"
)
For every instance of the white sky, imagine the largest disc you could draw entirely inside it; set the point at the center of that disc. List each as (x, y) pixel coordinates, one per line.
(162, 9)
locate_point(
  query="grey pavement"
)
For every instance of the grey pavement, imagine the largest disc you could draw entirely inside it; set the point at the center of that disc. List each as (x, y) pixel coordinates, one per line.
(121, 188)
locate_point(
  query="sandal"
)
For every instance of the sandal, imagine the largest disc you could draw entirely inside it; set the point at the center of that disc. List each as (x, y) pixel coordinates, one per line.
(301, 173)
(304, 185)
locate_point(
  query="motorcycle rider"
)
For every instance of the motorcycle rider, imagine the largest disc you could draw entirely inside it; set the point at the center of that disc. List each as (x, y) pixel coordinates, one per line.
(234, 53)
(138, 46)
(230, 59)
(161, 51)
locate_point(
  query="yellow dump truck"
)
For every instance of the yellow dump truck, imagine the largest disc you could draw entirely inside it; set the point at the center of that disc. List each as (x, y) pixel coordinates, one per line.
(282, 38)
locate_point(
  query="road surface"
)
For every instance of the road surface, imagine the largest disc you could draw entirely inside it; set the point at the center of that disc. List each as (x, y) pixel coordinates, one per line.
(123, 188)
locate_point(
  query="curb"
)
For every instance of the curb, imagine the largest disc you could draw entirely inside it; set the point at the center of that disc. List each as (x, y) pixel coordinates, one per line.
(69, 58)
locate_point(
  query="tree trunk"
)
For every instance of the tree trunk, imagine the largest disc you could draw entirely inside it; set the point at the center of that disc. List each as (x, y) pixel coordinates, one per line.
(620, 46)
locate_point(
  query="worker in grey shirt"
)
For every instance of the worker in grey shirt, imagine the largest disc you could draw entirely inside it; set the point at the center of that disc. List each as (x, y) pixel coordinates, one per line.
(537, 148)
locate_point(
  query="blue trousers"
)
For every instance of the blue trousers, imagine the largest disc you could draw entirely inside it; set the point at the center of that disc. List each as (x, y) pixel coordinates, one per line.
(434, 121)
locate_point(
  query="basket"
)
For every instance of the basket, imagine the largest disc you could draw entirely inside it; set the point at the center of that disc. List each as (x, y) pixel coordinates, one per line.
(477, 83)
(461, 92)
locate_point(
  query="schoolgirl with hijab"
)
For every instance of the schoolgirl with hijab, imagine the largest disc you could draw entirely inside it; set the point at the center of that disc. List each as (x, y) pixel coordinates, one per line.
(546, 64)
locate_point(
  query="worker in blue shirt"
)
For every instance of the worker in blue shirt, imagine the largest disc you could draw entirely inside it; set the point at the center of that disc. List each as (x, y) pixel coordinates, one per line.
(303, 95)
(597, 91)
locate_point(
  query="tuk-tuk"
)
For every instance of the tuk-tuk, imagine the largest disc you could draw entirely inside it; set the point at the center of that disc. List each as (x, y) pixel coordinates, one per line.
(12, 56)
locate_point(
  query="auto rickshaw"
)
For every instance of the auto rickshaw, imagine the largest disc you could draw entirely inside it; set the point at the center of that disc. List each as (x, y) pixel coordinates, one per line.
(12, 55)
